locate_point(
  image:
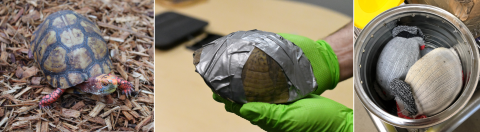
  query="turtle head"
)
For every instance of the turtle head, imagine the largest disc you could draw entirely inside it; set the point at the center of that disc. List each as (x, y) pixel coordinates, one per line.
(102, 84)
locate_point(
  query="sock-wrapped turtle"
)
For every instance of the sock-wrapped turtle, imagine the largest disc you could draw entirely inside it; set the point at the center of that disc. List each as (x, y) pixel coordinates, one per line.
(71, 52)
(431, 85)
(398, 55)
(255, 66)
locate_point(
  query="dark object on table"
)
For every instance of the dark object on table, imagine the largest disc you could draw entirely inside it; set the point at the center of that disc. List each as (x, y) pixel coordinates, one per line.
(172, 29)
(209, 38)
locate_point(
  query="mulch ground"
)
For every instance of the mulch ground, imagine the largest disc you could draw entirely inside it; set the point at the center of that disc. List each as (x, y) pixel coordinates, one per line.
(127, 26)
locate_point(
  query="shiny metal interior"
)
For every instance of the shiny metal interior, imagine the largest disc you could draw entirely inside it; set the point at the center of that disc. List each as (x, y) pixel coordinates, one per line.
(441, 29)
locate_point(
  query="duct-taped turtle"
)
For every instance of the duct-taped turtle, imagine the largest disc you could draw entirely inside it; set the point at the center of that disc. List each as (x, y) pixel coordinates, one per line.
(255, 66)
(71, 52)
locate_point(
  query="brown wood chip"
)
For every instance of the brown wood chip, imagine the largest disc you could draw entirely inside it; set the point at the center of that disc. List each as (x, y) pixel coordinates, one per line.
(122, 97)
(70, 126)
(101, 24)
(35, 117)
(148, 127)
(143, 122)
(70, 113)
(25, 109)
(20, 124)
(121, 71)
(38, 127)
(20, 13)
(99, 107)
(62, 129)
(22, 92)
(137, 84)
(97, 120)
(30, 72)
(129, 104)
(109, 111)
(146, 110)
(34, 15)
(135, 105)
(45, 126)
(108, 123)
(10, 97)
(109, 99)
(145, 100)
(47, 90)
(2, 111)
(19, 72)
(128, 116)
(36, 80)
(123, 107)
(134, 114)
(78, 105)
(4, 120)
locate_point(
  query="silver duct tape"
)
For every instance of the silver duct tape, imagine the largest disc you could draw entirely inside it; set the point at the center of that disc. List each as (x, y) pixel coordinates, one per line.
(222, 61)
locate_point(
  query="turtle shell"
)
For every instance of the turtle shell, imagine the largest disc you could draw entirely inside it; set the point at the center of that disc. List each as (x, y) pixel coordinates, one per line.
(262, 77)
(69, 49)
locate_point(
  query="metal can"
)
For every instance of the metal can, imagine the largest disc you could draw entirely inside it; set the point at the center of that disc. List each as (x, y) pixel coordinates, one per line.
(441, 29)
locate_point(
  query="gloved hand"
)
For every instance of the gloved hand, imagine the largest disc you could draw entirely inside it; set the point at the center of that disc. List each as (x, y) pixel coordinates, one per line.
(312, 113)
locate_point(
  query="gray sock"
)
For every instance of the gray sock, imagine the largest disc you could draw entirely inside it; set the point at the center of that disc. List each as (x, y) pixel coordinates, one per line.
(398, 55)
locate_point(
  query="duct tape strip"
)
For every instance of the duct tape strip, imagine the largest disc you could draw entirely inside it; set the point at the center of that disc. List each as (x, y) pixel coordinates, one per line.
(222, 61)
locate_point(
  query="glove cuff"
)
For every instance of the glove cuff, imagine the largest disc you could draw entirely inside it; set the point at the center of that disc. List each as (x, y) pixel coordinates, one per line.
(333, 63)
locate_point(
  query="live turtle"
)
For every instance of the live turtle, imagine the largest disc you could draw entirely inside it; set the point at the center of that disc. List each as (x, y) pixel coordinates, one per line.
(71, 52)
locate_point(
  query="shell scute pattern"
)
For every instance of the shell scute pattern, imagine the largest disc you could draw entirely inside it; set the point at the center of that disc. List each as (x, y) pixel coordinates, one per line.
(263, 79)
(69, 49)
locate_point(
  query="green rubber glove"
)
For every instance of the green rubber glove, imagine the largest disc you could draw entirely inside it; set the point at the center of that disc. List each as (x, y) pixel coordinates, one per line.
(312, 113)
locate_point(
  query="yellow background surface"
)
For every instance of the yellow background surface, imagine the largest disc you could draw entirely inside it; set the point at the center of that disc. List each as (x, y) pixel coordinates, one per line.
(184, 102)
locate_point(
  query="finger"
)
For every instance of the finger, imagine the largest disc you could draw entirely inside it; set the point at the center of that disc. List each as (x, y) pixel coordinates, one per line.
(218, 98)
(257, 111)
(232, 107)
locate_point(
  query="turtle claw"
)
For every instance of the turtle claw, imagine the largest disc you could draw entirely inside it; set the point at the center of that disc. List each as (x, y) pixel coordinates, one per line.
(128, 92)
(127, 88)
(44, 106)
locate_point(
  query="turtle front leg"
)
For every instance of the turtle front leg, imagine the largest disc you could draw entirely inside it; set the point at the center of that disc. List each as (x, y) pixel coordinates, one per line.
(125, 86)
(47, 100)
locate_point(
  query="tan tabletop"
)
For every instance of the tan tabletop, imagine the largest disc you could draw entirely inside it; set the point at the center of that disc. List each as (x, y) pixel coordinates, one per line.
(183, 100)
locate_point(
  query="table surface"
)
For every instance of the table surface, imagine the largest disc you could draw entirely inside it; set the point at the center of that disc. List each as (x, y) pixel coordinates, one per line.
(184, 102)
